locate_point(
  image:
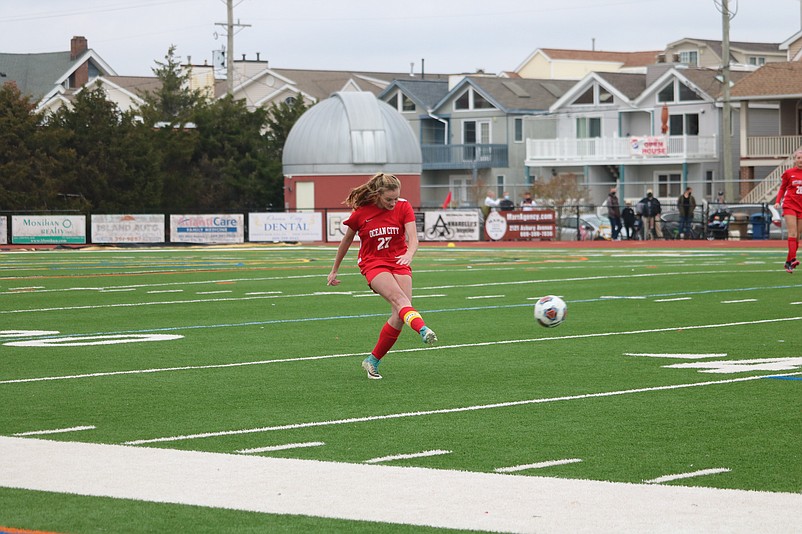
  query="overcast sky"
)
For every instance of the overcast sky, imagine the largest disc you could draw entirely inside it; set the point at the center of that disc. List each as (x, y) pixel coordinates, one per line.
(450, 35)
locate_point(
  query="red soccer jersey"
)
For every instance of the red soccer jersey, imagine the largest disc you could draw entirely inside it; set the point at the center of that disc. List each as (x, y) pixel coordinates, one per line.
(791, 190)
(381, 233)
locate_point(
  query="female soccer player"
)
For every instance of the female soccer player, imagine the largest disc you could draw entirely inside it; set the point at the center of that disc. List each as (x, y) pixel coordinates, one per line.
(385, 224)
(791, 196)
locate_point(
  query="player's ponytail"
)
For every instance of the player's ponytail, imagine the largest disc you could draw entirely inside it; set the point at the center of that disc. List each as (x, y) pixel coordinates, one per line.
(369, 192)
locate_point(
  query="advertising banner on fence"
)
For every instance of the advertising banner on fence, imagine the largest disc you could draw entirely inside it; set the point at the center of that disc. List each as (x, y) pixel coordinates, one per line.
(48, 229)
(535, 225)
(294, 226)
(3, 230)
(648, 146)
(452, 225)
(207, 228)
(127, 229)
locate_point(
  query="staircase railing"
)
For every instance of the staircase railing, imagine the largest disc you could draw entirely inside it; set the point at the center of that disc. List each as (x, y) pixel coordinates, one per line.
(766, 189)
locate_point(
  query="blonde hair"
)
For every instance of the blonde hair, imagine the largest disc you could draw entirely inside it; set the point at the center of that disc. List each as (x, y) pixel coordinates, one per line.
(369, 192)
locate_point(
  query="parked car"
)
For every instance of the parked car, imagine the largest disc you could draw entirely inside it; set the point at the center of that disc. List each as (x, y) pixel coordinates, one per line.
(670, 222)
(591, 227)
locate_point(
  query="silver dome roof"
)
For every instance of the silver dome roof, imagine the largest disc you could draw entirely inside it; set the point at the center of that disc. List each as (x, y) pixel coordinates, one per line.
(351, 133)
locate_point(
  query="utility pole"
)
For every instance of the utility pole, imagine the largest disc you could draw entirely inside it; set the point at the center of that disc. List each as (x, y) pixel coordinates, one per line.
(726, 118)
(230, 25)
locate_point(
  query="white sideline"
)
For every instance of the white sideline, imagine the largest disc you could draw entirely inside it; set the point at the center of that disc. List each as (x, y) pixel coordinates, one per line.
(414, 496)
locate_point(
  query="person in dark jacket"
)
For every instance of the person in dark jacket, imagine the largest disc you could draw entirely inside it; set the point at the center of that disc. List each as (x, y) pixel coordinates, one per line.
(614, 214)
(651, 216)
(686, 205)
(628, 217)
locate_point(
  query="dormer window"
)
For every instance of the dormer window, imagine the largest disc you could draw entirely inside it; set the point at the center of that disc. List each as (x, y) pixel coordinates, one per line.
(689, 57)
(594, 95)
(401, 102)
(668, 94)
(757, 60)
(470, 99)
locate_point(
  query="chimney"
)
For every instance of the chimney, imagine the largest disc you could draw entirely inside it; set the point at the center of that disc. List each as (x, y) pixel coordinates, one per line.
(78, 46)
(80, 76)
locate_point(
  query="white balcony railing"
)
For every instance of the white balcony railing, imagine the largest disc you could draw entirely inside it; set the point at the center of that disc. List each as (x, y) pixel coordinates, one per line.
(619, 149)
(774, 146)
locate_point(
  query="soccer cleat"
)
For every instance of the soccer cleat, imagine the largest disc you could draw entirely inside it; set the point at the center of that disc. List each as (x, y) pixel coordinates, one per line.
(789, 267)
(428, 336)
(371, 370)
(794, 263)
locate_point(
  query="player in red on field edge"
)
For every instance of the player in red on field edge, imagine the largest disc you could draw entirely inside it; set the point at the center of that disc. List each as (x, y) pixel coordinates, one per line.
(388, 237)
(790, 197)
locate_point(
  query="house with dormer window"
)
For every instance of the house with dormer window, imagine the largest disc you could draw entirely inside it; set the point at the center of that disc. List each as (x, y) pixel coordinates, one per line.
(707, 53)
(473, 137)
(658, 131)
(50, 78)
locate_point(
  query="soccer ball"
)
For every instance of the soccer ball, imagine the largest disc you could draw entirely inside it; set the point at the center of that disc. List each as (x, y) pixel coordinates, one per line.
(550, 311)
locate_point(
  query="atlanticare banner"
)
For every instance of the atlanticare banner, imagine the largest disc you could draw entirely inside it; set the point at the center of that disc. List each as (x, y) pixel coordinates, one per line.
(48, 229)
(128, 229)
(207, 228)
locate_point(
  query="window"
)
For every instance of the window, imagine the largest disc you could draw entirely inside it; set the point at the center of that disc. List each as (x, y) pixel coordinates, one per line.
(687, 124)
(686, 94)
(757, 60)
(595, 94)
(587, 127)
(401, 102)
(433, 132)
(689, 57)
(470, 99)
(406, 103)
(464, 101)
(709, 184)
(669, 185)
(518, 125)
(585, 98)
(480, 103)
(666, 94)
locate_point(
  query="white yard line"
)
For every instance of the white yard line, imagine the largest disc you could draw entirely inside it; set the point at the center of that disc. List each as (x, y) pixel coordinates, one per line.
(55, 431)
(435, 348)
(692, 474)
(680, 356)
(286, 446)
(538, 465)
(673, 300)
(422, 413)
(422, 454)
(414, 496)
(738, 301)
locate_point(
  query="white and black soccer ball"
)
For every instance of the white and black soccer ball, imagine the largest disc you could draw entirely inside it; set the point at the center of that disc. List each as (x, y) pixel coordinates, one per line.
(550, 311)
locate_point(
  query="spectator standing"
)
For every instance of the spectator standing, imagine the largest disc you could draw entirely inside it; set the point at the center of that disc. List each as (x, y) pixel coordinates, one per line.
(491, 203)
(651, 216)
(614, 214)
(628, 217)
(505, 204)
(528, 203)
(686, 205)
